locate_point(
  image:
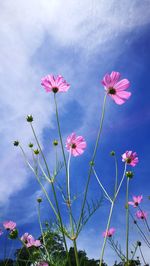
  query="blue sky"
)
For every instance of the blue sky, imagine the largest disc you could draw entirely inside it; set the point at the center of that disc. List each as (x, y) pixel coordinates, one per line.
(81, 41)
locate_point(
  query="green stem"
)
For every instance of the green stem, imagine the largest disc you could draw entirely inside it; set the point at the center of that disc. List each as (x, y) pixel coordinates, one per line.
(66, 167)
(54, 192)
(105, 238)
(135, 250)
(60, 137)
(92, 161)
(99, 182)
(116, 178)
(127, 221)
(76, 253)
(42, 232)
(110, 215)
(44, 190)
(142, 255)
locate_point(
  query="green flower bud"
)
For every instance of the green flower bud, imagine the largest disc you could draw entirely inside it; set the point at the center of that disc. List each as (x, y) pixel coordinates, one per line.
(139, 243)
(129, 174)
(36, 152)
(112, 153)
(55, 142)
(39, 200)
(16, 143)
(13, 234)
(29, 118)
(92, 163)
(30, 145)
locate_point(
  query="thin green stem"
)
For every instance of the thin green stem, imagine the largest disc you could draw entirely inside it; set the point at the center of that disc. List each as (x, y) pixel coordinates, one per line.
(127, 221)
(43, 188)
(140, 230)
(142, 255)
(116, 178)
(40, 149)
(60, 137)
(42, 232)
(54, 192)
(99, 182)
(76, 253)
(110, 215)
(135, 250)
(105, 238)
(92, 161)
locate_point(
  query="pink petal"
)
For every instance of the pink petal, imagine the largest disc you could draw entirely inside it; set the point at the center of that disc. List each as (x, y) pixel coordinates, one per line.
(122, 85)
(117, 99)
(124, 94)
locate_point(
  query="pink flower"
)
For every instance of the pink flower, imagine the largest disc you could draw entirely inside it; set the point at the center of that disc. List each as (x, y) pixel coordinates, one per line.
(42, 263)
(130, 158)
(115, 88)
(75, 144)
(109, 233)
(9, 225)
(52, 84)
(136, 201)
(141, 215)
(29, 241)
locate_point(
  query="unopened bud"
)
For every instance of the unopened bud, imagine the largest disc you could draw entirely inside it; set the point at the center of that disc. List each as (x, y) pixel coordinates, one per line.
(129, 174)
(112, 153)
(30, 145)
(92, 163)
(39, 200)
(16, 143)
(55, 142)
(36, 152)
(29, 118)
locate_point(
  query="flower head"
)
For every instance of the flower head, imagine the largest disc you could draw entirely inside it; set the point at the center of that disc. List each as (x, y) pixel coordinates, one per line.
(130, 158)
(136, 201)
(115, 88)
(30, 241)
(109, 233)
(75, 144)
(54, 84)
(141, 215)
(9, 225)
(42, 263)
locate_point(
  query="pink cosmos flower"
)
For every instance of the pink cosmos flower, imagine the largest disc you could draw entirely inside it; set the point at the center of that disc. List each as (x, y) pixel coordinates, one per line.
(136, 201)
(29, 241)
(109, 233)
(115, 88)
(141, 215)
(75, 144)
(9, 225)
(42, 263)
(54, 84)
(130, 158)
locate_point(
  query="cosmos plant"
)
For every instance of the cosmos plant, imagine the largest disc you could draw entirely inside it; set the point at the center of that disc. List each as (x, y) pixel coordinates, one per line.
(75, 146)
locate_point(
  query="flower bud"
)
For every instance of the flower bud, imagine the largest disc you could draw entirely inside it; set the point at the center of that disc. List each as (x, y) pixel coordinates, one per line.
(29, 118)
(139, 243)
(39, 200)
(13, 234)
(36, 152)
(55, 142)
(30, 145)
(16, 143)
(92, 163)
(129, 174)
(112, 153)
